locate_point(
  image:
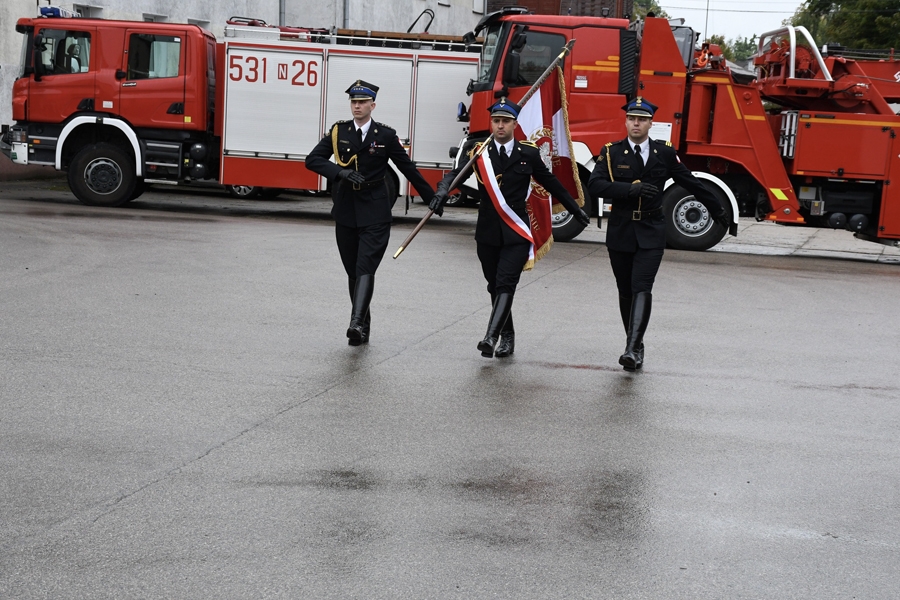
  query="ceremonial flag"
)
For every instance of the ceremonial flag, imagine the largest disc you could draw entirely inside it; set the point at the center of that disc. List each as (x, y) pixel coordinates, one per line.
(544, 121)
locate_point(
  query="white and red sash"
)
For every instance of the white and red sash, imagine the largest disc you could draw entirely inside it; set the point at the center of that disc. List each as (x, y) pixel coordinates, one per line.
(486, 172)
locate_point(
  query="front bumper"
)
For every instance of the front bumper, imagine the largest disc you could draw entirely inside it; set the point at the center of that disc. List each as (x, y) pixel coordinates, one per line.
(15, 151)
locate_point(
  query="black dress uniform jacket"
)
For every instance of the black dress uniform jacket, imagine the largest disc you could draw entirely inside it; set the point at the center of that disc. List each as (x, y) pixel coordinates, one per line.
(523, 163)
(367, 203)
(617, 168)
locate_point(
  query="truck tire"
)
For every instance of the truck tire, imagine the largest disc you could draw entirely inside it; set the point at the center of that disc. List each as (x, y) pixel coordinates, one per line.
(244, 192)
(565, 227)
(689, 224)
(139, 188)
(102, 175)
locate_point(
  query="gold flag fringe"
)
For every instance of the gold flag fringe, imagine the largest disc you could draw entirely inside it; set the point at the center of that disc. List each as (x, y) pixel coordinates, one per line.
(558, 208)
(539, 253)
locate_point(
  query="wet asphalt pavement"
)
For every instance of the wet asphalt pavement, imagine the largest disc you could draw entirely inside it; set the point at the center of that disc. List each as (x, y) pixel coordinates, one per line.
(181, 416)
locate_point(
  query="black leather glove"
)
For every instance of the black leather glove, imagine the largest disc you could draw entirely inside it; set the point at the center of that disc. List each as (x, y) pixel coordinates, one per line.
(437, 202)
(351, 176)
(647, 191)
(582, 217)
(723, 220)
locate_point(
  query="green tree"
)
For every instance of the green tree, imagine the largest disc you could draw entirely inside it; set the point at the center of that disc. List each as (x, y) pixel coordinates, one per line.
(743, 48)
(642, 7)
(852, 23)
(737, 50)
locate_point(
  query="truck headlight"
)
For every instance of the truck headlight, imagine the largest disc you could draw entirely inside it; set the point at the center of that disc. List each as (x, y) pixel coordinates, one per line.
(18, 135)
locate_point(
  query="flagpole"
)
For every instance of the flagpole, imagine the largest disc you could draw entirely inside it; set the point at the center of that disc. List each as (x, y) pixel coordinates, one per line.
(464, 171)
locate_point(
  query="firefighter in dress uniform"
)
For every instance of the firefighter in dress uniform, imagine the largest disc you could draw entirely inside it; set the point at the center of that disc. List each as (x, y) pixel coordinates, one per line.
(362, 203)
(502, 251)
(631, 173)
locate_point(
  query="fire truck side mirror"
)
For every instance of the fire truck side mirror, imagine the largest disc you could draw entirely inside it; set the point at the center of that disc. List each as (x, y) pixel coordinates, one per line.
(511, 68)
(462, 115)
(38, 61)
(469, 38)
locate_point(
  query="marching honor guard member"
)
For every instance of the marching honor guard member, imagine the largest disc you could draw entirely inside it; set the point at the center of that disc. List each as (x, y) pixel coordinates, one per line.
(632, 172)
(361, 195)
(503, 231)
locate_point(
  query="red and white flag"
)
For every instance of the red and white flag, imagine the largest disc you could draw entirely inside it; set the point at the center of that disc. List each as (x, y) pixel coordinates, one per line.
(544, 121)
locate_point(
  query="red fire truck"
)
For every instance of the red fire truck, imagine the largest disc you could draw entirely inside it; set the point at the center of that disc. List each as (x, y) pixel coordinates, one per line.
(119, 104)
(812, 139)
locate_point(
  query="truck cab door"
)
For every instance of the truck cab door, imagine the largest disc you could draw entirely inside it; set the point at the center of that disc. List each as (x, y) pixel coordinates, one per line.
(63, 81)
(152, 78)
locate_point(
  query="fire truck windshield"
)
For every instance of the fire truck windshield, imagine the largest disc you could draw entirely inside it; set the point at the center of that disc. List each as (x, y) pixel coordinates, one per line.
(492, 37)
(25, 66)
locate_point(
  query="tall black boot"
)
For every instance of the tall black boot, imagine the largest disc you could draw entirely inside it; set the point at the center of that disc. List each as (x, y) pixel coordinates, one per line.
(362, 296)
(633, 358)
(352, 285)
(507, 343)
(625, 311)
(502, 307)
(366, 327)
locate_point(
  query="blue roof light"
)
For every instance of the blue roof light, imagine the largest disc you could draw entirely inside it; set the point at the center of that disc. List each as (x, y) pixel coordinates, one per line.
(55, 11)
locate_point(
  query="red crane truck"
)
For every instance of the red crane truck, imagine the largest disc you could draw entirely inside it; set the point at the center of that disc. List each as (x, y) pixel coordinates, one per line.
(812, 139)
(119, 104)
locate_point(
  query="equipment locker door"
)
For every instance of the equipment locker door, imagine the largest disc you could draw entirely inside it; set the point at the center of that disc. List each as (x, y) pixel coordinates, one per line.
(273, 101)
(153, 78)
(394, 77)
(273, 115)
(440, 86)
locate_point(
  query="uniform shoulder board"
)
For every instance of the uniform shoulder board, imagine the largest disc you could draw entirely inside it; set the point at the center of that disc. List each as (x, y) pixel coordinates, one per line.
(669, 144)
(528, 143)
(384, 125)
(607, 144)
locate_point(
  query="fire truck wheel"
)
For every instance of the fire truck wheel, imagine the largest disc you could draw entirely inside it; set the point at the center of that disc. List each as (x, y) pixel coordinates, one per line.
(244, 192)
(689, 224)
(139, 188)
(102, 175)
(565, 227)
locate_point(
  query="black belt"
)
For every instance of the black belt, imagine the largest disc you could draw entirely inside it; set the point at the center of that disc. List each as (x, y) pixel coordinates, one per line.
(368, 185)
(640, 215)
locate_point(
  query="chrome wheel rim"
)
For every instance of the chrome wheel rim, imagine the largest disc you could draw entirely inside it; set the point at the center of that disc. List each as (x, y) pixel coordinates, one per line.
(103, 176)
(692, 219)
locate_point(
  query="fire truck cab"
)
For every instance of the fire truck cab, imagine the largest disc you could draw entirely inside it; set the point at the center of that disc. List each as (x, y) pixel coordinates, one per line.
(114, 103)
